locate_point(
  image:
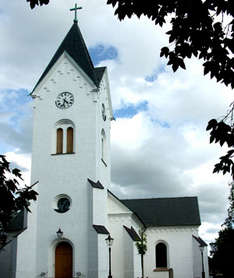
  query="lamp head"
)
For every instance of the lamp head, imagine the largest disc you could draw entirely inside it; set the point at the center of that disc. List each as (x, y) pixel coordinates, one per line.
(59, 233)
(109, 241)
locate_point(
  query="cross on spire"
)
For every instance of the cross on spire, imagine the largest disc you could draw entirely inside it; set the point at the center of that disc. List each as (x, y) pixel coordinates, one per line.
(75, 9)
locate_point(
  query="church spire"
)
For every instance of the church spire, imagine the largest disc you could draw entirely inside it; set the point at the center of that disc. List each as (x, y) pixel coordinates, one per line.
(75, 46)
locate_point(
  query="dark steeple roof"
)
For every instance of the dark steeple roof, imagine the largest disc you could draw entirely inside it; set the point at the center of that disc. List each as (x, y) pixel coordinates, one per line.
(74, 45)
(183, 211)
(133, 234)
(100, 229)
(96, 184)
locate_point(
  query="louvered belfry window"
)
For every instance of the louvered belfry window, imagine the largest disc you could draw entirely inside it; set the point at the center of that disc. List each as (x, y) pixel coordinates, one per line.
(70, 140)
(59, 148)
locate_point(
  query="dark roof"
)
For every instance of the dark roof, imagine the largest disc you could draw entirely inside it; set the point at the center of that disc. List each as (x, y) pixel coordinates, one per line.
(183, 211)
(101, 229)
(133, 234)
(200, 241)
(96, 184)
(74, 45)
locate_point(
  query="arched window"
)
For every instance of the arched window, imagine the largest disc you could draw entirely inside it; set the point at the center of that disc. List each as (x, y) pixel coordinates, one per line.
(103, 145)
(69, 140)
(161, 255)
(59, 146)
(65, 133)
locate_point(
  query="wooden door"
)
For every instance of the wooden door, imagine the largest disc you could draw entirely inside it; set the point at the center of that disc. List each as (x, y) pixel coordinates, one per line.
(63, 260)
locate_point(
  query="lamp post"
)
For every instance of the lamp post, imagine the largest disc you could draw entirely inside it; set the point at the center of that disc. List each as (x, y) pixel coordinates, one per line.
(202, 249)
(59, 233)
(109, 241)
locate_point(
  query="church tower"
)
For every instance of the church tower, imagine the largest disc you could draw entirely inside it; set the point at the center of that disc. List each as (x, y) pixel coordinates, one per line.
(71, 160)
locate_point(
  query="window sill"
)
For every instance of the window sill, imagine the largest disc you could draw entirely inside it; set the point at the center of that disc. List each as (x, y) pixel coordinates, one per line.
(62, 153)
(161, 269)
(104, 162)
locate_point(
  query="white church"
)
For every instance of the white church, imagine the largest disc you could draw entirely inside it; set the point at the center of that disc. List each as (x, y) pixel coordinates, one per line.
(75, 211)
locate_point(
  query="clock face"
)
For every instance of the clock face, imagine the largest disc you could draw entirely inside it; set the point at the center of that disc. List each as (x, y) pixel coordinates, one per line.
(64, 100)
(63, 205)
(103, 112)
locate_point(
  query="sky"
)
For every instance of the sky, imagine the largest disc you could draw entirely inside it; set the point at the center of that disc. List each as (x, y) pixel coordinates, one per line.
(160, 147)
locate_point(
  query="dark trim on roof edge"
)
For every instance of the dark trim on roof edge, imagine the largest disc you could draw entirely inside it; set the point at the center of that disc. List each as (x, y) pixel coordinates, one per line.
(96, 184)
(200, 241)
(100, 229)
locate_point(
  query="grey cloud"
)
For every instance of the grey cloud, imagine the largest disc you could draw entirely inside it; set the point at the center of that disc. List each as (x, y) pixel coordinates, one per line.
(156, 169)
(213, 202)
(21, 140)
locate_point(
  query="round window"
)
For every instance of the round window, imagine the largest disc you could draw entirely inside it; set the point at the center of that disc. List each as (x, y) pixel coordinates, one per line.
(62, 203)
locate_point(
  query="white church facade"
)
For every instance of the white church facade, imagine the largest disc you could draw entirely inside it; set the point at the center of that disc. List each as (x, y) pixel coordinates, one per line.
(71, 160)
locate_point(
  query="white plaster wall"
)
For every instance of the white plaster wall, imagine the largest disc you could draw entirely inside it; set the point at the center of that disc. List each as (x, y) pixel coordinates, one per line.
(102, 257)
(163, 274)
(206, 265)
(99, 206)
(103, 97)
(114, 206)
(136, 261)
(102, 168)
(128, 253)
(197, 267)
(93, 254)
(197, 260)
(64, 174)
(126, 260)
(180, 250)
(115, 227)
(26, 244)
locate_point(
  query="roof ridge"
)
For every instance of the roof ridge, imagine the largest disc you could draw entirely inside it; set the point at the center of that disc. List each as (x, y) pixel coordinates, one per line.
(184, 197)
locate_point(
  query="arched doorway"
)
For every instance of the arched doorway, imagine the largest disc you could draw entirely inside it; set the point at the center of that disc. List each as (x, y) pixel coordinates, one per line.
(63, 260)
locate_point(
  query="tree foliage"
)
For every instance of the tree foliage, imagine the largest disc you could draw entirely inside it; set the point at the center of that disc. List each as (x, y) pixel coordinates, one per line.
(142, 248)
(13, 197)
(34, 3)
(200, 28)
(229, 221)
(222, 248)
(222, 132)
(222, 253)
